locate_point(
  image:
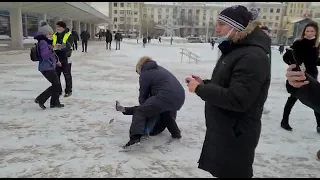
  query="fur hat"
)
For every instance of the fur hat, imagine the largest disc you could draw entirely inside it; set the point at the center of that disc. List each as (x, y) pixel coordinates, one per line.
(141, 61)
(44, 28)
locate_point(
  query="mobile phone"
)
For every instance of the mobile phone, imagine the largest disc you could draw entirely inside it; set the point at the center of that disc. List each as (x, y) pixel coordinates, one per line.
(298, 63)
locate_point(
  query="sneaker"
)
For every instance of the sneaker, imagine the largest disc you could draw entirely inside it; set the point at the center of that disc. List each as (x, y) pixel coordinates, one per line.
(41, 105)
(57, 106)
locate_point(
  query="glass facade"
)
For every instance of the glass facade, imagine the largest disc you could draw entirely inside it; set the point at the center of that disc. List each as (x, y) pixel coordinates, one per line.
(29, 24)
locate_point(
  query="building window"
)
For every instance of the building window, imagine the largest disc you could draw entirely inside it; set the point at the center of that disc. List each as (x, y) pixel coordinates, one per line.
(291, 5)
(144, 10)
(115, 11)
(135, 19)
(271, 10)
(301, 5)
(159, 16)
(265, 10)
(128, 19)
(135, 12)
(152, 16)
(276, 24)
(115, 4)
(121, 18)
(167, 16)
(277, 18)
(129, 12)
(159, 22)
(270, 17)
(115, 26)
(144, 16)
(290, 11)
(278, 10)
(135, 5)
(122, 12)
(121, 4)
(115, 19)
(270, 24)
(128, 4)
(167, 10)
(264, 17)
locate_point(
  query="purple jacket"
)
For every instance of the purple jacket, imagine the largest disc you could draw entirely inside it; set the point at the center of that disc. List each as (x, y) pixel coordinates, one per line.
(47, 58)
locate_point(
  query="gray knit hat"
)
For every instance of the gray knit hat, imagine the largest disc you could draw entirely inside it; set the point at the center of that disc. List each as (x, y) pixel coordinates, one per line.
(44, 28)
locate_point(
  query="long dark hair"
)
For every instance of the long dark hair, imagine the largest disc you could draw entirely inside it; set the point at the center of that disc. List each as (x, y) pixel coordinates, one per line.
(316, 28)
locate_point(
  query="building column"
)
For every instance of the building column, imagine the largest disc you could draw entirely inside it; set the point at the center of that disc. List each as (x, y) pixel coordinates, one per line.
(69, 24)
(92, 31)
(25, 26)
(42, 17)
(77, 27)
(84, 26)
(16, 26)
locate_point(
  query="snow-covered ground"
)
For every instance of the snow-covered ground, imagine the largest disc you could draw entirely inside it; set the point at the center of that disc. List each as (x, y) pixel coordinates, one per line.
(78, 141)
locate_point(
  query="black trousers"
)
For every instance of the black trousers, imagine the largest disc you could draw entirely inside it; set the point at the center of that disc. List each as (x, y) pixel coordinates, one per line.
(287, 110)
(292, 100)
(52, 91)
(84, 46)
(66, 70)
(162, 119)
(108, 45)
(75, 45)
(117, 45)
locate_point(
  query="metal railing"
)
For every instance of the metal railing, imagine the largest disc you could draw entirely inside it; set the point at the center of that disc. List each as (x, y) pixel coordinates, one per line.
(189, 54)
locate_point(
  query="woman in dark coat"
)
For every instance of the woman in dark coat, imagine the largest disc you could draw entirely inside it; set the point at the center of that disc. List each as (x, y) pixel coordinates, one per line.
(306, 52)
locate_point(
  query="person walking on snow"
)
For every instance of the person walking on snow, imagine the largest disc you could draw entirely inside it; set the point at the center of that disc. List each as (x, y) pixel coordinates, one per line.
(76, 38)
(47, 66)
(85, 36)
(108, 39)
(118, 38)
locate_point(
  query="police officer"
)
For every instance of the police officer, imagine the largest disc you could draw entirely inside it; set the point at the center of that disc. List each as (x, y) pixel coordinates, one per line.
(62, 42)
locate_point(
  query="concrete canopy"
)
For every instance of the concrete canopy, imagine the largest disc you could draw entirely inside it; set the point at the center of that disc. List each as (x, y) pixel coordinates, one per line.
(80, 11)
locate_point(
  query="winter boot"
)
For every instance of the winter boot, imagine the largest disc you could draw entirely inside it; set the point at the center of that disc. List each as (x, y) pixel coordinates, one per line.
(133, 140)
(57, 106)
(176, 136)
(285, 125)
(41, 105)
(318, 129)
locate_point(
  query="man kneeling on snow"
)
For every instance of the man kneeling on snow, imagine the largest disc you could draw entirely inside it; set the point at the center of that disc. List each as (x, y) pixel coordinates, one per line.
(160, 97)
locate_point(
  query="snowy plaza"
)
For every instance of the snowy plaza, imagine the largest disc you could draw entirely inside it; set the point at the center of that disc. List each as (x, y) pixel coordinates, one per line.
(79, 141)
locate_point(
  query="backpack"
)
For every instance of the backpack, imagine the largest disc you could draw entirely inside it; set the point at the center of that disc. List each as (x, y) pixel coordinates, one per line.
(34, 53)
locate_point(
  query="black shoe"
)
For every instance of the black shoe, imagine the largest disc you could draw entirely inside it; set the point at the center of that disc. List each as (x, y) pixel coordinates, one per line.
(176, 136)
(67, 94)
(133, 140)
(286, 126)
(57, 106)
(82, 50)
(318, 129)
(41, 105)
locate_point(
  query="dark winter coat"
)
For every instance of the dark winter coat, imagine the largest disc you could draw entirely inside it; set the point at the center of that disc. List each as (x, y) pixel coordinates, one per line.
(108, 36)
(305, 52)
(75, 35)
(164, 89)
(118, 36)
(47, 58)
(144, 40)
(281, 48)
(234, 100)
(85, 36)
(66, 51)
(308, 94)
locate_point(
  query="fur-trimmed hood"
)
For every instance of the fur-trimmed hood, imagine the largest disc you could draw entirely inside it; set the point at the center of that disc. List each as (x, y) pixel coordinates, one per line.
(144, 60)
(253, 35)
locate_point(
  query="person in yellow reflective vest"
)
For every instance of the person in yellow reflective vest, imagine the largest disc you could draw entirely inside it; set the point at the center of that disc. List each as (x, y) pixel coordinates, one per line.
(62, 42)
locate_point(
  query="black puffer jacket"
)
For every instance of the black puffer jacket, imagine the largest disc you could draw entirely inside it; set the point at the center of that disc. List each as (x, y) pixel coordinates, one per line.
(159, 87)
(108, 36)
(234, 100)
(305, 52)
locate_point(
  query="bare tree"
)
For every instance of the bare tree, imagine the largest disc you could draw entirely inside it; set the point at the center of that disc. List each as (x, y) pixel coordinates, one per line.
(148, 27)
